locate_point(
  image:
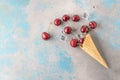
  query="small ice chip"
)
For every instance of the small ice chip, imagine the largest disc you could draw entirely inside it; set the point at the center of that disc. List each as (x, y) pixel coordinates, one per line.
(62, 37)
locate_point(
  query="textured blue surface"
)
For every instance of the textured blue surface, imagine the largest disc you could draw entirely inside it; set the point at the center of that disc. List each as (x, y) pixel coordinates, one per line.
(23, 57)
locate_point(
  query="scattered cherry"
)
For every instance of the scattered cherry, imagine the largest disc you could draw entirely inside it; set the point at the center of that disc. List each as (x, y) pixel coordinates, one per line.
(65, 17)
(76, 18)
(57, 22)
(45, 35)
(67, 29)
(84, 29)
(74, 42)
(81, 40)
(93, 24)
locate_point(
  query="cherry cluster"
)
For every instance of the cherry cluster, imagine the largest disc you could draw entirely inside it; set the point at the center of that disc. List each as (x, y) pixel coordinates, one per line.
(68, 29)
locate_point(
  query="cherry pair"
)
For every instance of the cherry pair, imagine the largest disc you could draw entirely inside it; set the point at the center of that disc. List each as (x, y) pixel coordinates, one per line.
(75, 42)
(85, 28)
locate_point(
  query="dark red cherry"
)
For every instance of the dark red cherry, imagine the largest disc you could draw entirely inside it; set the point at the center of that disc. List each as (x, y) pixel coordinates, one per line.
(45, 36)
(84, 29)
(57, 22)
(74, 42)
(81, 40)
(67, 29)
(75, 18)
(65, 17)
(93, 24)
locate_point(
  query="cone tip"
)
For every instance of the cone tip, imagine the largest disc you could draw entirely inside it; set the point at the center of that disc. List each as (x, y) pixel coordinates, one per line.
(106, 66)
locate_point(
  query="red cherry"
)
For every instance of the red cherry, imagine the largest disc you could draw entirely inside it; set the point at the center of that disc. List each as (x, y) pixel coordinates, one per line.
(81, 40)
(84, 29)
(93, 24)
(76, 18)
(67, 30)
(57, 22)
(65, 18)
(74, 42)
(45, 35)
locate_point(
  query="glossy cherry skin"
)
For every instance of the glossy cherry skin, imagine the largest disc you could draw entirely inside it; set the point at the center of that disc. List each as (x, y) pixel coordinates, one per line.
(45, 36)
(93, 24)
(57, 22)
(74, 42)
(75, 18)
(67, 29)
(84, 29)
(65, 17)
(81, 40)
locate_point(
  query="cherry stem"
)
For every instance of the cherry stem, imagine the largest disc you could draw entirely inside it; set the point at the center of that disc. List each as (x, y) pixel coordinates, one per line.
(70, 24)
(49, 26)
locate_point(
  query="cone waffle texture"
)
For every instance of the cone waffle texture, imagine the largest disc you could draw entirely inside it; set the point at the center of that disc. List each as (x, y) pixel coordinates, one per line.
(89, 47)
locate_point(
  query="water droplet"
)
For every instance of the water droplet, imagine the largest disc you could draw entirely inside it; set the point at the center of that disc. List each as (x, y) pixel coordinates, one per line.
(62, 37)
(78, 36)
(62, 31)
(85, 15)
(93, 6)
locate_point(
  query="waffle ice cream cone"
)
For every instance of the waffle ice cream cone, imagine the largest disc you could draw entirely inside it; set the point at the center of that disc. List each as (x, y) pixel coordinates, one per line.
(89, 47)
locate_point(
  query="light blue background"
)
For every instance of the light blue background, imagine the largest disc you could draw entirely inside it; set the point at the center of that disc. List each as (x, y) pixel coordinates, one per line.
(30, 58)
